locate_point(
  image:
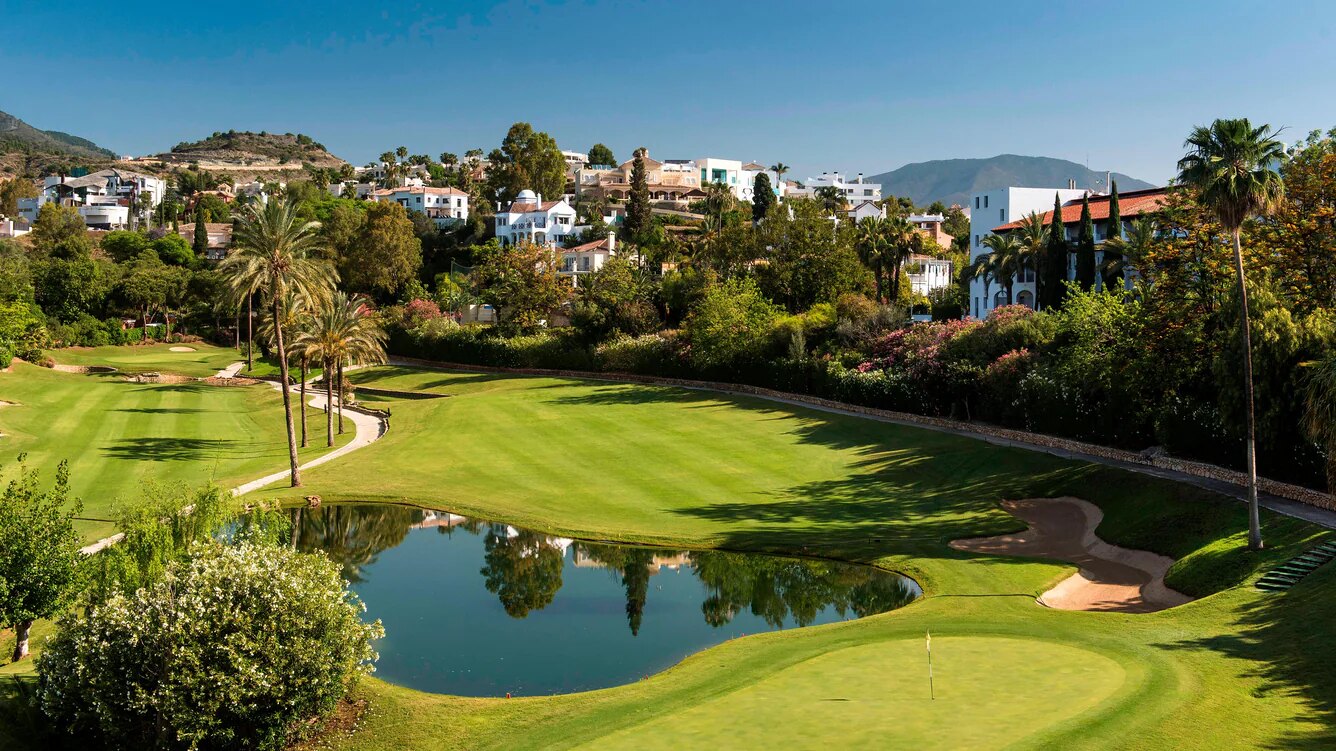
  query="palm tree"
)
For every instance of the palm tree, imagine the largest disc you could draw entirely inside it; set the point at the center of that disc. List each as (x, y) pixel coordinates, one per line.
(779, 168)
(1231, 165)
(1319, 420)
(273, 255)
(903, 241)
(718, 200)
(981, 268)
(1009, 258)
(293, 318)
(1123, 254)
(343, 332)
(1033, 237)
(871, 244)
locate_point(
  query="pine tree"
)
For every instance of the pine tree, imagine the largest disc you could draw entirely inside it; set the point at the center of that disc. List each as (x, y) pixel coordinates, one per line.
(1085, 249)
(1054, 271)
(201, 244)
(763, 196)
(1115, 233)
(637, 209)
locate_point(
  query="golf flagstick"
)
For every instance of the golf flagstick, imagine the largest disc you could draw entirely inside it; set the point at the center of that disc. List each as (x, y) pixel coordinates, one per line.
(927, 640)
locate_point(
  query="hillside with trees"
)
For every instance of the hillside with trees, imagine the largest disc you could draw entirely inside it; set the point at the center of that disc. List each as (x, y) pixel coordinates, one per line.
(246, 153)
(27, 151)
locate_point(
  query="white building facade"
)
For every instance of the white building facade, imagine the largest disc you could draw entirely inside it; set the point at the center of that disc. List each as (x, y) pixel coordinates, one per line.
(445, 206)
(855, 191)
(102, 198)
(993, 208)
(531, 219)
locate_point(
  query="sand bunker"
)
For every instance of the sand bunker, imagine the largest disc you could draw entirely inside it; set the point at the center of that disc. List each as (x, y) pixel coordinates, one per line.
(1110, 577)
(83, 368)
(182, 349)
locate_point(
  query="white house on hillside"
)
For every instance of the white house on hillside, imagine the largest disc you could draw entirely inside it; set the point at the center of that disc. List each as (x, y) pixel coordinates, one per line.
(103, 198)
(445, 205)
(587, 258)
(531, 219)
(855, 191)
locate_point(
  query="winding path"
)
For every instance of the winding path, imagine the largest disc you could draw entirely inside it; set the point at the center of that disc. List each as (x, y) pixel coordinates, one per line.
(1110, 577)
(368, 429)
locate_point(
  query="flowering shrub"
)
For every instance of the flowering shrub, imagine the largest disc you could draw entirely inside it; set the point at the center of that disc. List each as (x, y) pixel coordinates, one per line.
(419, 311)
(235, 647)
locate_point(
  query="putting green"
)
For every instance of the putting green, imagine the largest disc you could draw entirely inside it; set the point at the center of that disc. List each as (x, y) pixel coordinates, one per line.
(990, 693)
(203, 360)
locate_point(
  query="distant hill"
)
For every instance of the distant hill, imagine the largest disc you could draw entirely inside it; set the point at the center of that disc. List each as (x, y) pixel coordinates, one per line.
(28, 151)
(953, 180)
(256, 151)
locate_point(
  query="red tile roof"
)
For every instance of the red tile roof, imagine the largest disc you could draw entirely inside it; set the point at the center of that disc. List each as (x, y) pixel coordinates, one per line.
(1130, 205)
(526, 208)
(595, 245)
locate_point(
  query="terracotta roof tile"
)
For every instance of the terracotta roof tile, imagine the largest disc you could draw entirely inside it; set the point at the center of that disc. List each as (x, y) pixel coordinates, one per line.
(1130, 205)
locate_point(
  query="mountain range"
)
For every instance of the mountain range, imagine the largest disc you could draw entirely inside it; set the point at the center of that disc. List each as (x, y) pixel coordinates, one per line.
(952, 181)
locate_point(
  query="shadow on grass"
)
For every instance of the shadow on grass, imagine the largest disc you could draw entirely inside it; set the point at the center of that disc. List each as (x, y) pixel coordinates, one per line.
(378, 376)
(170, 449)
(1285, 641)
(165, 410)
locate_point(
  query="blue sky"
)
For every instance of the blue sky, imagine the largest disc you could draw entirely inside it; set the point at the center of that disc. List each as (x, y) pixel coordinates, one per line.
(852, 86)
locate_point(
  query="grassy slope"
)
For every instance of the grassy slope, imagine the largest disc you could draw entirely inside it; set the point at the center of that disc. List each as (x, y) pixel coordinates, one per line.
(118, 435)
(204, 361)
(1235, 670)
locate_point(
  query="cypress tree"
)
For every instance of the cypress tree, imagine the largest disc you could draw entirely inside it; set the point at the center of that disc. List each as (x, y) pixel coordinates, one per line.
(201, 244)
(1054, 272)
(1114, 232)
(1085, 249)
(763, 196)
(637, 209)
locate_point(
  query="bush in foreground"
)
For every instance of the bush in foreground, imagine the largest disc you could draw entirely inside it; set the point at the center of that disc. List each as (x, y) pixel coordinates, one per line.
(236, 647)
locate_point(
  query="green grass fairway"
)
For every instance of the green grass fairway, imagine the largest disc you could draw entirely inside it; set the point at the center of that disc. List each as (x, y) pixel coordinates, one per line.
(119, 435)
(206, 360)
(1236, 669)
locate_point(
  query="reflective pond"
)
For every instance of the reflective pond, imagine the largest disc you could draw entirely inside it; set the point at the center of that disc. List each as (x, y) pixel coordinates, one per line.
(481, 609)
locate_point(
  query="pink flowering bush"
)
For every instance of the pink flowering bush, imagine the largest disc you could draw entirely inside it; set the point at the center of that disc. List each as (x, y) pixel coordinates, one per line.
(420, 311)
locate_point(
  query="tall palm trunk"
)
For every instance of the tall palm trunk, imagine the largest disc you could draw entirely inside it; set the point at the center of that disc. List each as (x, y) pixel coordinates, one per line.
(340, 397)
(304, 375)
(1008, 294)
(329, 404)
(250, 333)
(287, 392)
(1250, 456)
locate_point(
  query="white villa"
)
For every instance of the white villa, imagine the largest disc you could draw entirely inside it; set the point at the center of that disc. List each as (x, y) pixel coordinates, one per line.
(444, 205)
(855, 191)
(102, 198)
(749, 172)
(1003, 209)
(531, 219)
(866, 210)
(927, 273)
(587, 258)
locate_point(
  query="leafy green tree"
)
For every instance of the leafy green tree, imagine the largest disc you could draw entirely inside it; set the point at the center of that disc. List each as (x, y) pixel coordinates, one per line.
(387, 253)
(527, 159)
(11, 191)
(1122, 254)
(272, 256)
(39, 552)
(151, 286)
(601, 155)
(123, 245)
(1085, 249)
(763, 196)
(730, 325)
(957, 225)
(638, 218)
(1053, 271)
(1231, 163)
(214, 209)
(56, 228)
(521, 282)
(872, 243)
(903, 241)
(831, 198)
(67, 288)
(1319, 420)
(613, 299)
(523, 571)
(241, 646)
(808, 262)
(173, 249)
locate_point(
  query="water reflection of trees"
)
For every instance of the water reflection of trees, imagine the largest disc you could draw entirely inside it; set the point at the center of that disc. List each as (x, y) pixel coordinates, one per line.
(772, 589)
(523, 568)
(352, 535)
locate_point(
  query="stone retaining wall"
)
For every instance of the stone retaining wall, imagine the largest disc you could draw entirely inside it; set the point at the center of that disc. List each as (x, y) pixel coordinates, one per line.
(1035, 440)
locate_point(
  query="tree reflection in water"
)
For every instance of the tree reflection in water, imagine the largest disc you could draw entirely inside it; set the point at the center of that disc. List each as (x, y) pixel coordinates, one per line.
(524, 568)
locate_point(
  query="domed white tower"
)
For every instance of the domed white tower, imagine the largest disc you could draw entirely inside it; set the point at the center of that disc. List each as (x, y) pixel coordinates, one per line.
(526, 196)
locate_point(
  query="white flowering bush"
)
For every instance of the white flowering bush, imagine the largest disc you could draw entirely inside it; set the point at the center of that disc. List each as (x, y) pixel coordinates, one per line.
(237, 647)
